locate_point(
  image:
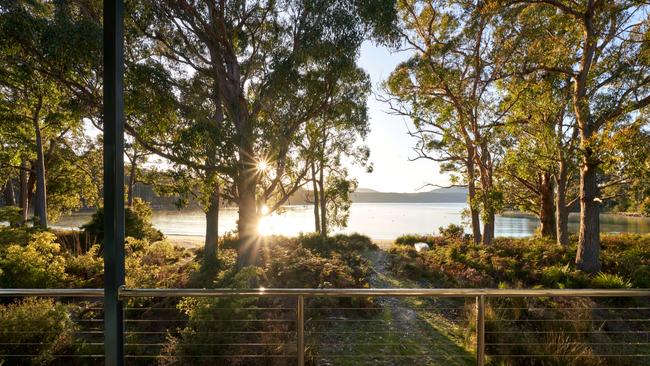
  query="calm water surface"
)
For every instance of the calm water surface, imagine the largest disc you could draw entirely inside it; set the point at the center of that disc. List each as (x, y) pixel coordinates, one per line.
(377, 220)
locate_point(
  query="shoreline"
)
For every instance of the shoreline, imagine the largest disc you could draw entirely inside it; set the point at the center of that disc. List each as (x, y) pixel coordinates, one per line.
(196, 241)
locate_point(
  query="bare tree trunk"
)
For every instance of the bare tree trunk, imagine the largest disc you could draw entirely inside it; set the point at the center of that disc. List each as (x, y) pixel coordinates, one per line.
(9, 194)
(561, 209)
(248, 217)
(587, 257)
(129, 199)
(316, 198)
(488, 228)
(546, 214)
(486, 185)
(41, 191)
(24, 201)
(471, 196)
(323, 201)
(212, 227)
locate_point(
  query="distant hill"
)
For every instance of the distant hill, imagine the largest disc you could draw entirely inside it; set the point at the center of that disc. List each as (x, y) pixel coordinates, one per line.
(366, 190)
(449, 195)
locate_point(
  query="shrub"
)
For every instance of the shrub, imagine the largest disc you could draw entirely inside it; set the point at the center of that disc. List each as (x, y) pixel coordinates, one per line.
(556, 276)
(86, 270)
(301, 268)
(354, 242)
(137, 221)
(229, 241)
(410, 239)
(624, 254)
(41, 326)
(563, 277)
(157, 264)
(341, 243)
(641, 277)
(10, 214)
(40, 264)
(461, 263)
(228, 322)
(16, 235)
(607, 280)
(452, 231)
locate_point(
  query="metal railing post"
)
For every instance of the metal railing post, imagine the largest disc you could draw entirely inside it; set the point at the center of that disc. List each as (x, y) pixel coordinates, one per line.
(480, 330)
(300, 330)
(113, 33)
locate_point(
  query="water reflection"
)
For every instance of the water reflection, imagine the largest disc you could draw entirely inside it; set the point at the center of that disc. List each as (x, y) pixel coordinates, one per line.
(377, 220)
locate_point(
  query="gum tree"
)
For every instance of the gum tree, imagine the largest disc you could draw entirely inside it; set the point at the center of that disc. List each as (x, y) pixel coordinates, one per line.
(333, 139)
(604, 51)
(268, 65)
(448, 90)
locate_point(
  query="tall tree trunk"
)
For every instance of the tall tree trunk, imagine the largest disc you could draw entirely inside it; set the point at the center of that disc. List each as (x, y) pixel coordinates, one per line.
(323, 201)
(587, 257)
(212, 227)
(486, 185)
(316, 198)
(488, 228)
(129, 199)
(31, 184)
(9, 194)
(561, 209)
(546, 214)
(471, 197)
(24, 201)
(248, 217)
(41, 191)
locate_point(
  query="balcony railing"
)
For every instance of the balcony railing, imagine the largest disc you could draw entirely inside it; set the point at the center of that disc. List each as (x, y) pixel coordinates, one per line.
(618, 330)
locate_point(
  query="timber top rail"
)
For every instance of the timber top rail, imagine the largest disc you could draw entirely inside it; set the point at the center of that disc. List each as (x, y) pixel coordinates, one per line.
(125, 292)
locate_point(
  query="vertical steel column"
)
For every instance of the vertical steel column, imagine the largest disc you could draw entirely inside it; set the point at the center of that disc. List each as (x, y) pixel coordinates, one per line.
(113, 180)
(480, 330)
(300, 330)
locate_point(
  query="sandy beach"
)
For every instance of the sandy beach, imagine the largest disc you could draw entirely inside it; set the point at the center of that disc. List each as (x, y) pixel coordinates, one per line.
(194, 241)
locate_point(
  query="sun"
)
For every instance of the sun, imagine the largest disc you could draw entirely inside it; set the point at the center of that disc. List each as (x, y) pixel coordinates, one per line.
(264, 210)
(265, 226)
(262, 166)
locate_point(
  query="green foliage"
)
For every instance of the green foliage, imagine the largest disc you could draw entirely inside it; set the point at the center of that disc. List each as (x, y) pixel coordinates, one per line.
(563, 277)
(137, 221)
(39, 264)
(15, 235)
(37, 326)
(644, 208)
(641, 276)
(157, 264)
(626, 255)
(303, 269)
(48, 51)
(522, 263)
(608, 280)
(10, 214)
(337, 243)
(218, 319)
(229, 241)
(452, 231)
(410, 239)
(337, 192)
(86, 270)
(290, 262)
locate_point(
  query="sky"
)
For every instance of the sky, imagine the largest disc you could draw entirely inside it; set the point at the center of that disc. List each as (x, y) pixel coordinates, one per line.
(390, 145)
